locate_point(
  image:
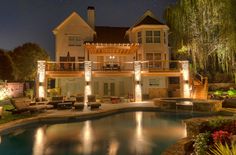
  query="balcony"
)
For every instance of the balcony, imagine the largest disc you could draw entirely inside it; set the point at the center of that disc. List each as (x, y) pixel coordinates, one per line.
(113, 68)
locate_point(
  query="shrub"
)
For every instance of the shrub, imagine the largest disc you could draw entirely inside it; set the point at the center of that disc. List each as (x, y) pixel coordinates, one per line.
(201, 143)
(221, 136)
(220, 149)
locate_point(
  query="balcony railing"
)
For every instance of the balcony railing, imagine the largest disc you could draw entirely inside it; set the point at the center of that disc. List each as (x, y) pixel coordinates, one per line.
(151, 66)
(64, 66)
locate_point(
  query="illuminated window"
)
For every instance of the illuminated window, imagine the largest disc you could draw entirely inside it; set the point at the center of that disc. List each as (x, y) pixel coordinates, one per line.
(139, 37)
(74, 41)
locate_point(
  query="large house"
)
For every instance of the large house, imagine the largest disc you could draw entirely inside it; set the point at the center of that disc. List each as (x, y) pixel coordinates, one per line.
(129, 62)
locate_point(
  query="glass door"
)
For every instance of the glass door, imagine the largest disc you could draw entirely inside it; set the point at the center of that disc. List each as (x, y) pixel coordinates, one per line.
(109, 89)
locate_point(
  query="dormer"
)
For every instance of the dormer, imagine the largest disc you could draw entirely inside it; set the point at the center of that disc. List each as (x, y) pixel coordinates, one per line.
(147, 30)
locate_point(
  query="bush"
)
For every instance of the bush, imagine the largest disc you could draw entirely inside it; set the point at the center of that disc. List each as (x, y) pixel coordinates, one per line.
(220, 149)
(221, 136)
(201, 143)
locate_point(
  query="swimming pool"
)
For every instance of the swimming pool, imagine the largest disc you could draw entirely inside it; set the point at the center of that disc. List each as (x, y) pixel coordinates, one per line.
(129, 133)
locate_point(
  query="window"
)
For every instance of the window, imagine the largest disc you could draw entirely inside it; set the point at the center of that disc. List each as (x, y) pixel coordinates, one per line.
(153, 37)
(74, 41)
(154, 60)
(157, 37)
(139, 37)
(148, 36)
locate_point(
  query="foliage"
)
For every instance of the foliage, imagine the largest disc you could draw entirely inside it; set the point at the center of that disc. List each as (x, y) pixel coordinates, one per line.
(221, 136)
(25, 58)
(200, 144)
(29, 93)
(218, 123)
(231, 92)
(7, 116)
(7, 69)
(206, 29)
(220, 149)
(54, 92)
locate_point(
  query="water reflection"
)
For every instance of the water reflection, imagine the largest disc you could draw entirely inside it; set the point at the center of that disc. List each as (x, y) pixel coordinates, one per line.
(0, 139)
(141, 144)
(113, 147)
(40, 139)
(86, 138)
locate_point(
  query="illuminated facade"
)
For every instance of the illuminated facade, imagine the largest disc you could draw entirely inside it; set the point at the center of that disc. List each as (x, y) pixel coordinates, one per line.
(113, 61)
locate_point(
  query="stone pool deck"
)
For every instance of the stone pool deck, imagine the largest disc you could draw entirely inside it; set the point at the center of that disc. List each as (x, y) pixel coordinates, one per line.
(73, 115)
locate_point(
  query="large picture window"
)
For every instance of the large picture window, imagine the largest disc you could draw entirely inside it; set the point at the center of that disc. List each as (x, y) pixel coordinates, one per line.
(153, 37)
(74, 40)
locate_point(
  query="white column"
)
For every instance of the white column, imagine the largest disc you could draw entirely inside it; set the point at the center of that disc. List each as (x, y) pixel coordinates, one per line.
(185, 79)
(88, 77)
(41, 79)
(137, 80)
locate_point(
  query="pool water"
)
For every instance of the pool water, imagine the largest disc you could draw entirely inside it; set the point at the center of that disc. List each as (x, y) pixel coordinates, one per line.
(131, 133)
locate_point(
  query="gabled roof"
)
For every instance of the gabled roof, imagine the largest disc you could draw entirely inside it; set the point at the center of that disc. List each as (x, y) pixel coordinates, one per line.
(105, 34)
(148, 18)
(74, 14)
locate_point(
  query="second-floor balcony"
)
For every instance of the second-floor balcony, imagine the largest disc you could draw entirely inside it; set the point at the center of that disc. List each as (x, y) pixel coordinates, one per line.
(149, 66)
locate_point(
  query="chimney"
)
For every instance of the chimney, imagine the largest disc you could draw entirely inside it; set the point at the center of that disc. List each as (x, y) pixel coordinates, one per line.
(91, 16)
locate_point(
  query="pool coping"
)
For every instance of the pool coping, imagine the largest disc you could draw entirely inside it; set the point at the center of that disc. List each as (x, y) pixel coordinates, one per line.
(84, 115)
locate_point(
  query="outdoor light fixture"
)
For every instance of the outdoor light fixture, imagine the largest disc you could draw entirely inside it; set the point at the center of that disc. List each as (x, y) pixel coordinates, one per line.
(112, 57)
(41, 78)
(88, 77)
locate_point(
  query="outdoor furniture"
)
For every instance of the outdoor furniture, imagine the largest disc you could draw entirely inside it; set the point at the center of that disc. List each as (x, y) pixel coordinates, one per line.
(55, 101)
(115, 99)
(79, 106)
(65, 105)
(24, 106)
(79, 103)
(115, 67)
(107, 67)
(94, 105)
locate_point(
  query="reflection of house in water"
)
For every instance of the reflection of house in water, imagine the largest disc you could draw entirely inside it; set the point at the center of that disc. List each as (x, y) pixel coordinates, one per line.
(123, 61)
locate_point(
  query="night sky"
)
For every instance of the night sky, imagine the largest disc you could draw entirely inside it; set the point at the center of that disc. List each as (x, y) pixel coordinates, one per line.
(24, 21)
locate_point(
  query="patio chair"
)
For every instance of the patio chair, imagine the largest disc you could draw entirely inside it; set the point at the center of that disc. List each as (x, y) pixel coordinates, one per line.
(92, 102)
(24, 106)
(56, 100)
(79, 103)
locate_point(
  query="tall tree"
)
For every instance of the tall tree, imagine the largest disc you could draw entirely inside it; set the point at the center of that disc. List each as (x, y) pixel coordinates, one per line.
(7, 69)
(25, 58)
(205, 30)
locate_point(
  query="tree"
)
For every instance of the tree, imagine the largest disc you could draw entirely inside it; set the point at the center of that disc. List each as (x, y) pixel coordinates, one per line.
(206, 31)
(7, 69)
(25, 58)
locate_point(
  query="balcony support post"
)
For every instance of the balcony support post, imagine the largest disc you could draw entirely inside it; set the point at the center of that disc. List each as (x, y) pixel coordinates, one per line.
(88, 77)
(184, 79)
(41, 79)
(137, 81)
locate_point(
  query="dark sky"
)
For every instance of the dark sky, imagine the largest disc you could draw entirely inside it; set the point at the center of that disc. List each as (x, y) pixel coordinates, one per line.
(33, 20)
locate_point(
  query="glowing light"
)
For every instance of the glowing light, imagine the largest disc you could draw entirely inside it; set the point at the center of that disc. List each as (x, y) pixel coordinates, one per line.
(4, 93)
(185, 73)
(41, 71)
(0, 139)
(1, 109)
(87, 91)
(86, 138)
(38, 148)
(137, 70)
(41, 91)
(87, 71)
(138, 93)
(113, 147)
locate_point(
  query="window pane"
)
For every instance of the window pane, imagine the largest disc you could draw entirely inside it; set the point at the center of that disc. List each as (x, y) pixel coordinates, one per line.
(157, 40)
(148, 33)
(157, 33)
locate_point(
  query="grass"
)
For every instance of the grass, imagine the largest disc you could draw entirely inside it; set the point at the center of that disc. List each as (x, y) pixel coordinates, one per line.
(8, 116)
